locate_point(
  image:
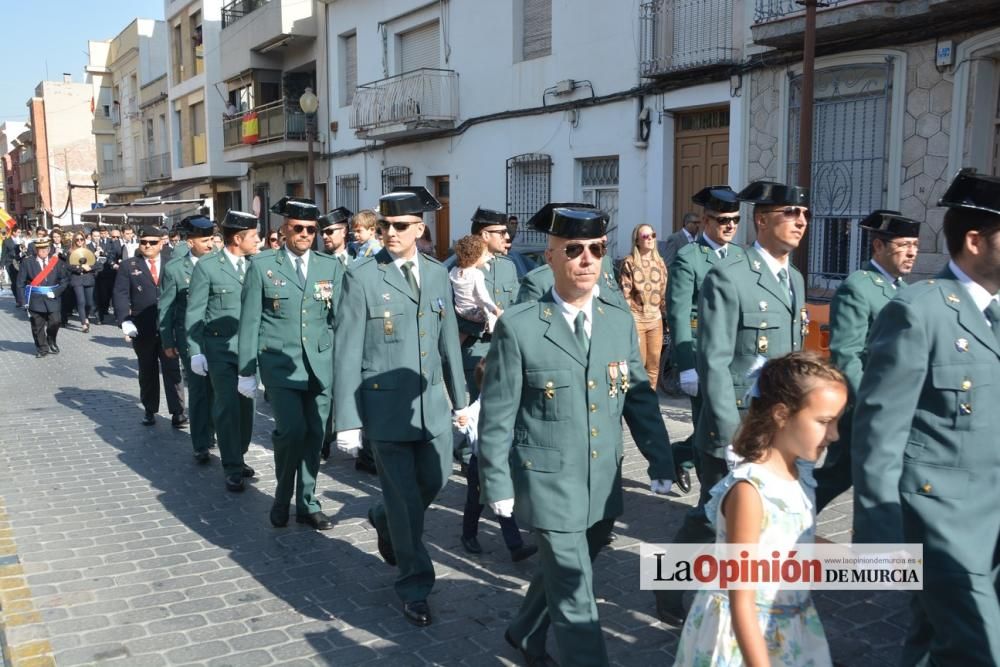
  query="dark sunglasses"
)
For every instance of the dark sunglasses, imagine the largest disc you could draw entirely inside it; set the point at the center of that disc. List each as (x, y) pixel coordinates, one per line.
(646, 237)
(735, 220)
(384, 225)
(308, 229)
(497, 231)
(792, 212)
(330, 231)
(147, 242)
(273, 239)
(574, 250)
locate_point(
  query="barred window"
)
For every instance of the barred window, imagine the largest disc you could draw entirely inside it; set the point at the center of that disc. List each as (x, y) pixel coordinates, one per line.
(348, 191)
(529, 183)
(599, 186)
(395, 177)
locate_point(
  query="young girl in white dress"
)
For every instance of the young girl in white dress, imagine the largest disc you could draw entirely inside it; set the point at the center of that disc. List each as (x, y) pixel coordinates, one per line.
(765, 500)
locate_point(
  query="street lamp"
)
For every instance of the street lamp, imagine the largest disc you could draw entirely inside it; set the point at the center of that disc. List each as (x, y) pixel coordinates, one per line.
(309, 104)
(94, 177)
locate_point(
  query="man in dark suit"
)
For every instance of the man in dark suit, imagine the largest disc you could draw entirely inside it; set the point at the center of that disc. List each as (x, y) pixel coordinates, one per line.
(11, 258)
(46, 279)
(136, 292)
(682, 237)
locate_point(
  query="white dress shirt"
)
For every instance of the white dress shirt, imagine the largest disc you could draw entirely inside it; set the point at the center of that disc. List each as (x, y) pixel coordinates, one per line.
(399, 261)
(980, 296)
(570, 311)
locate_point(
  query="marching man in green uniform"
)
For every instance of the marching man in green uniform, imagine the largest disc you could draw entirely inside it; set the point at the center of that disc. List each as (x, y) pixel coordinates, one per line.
(398, 364)
(173, 305)
(290, 298)
(750, 310)
(925, 457)
(859, 299)
(213, 323)
(560, 375)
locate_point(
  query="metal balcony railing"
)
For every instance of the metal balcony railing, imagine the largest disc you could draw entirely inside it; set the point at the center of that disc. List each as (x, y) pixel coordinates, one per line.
(275, 122)
(237, 9)
(421, 96)
(115, 178)
(155, 167)
(772, 10)
(678, 35)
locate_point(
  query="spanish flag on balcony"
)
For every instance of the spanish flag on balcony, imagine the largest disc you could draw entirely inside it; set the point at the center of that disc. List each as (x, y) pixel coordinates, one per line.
(251, 128)
(7, 223)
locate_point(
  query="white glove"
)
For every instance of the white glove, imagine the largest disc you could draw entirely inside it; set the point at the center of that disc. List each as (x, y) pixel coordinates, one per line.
(349, 442)
(129, 329)
(503, 508)
(199, 366)
(50, 295)
(732, 458)
(689, 382)
(247, 386)
(660, 487)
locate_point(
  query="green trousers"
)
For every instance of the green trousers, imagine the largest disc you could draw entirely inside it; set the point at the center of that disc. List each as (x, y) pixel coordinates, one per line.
(562, 593)
(411, 474)
(233, 416)
(299, 422)
(200, 400)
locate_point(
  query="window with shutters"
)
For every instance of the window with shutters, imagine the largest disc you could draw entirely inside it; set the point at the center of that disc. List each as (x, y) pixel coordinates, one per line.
(419, 48)
(348, 191)
(534, 40)
(349, 69)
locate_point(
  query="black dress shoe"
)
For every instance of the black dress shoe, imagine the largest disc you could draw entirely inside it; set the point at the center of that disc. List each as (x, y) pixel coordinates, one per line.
(41, 353)
(530, 660)
(148, 419)
(522, 552)
(670, 607)
(316, 520)
(683, 479)
(178, 421)
(279, 516)
(384, 545)
(202, 457)
(471, 545)
(53, 348)
(417, 613)
(365, 465)
(610, 538)
(324, 452)
(234, 483)
(248, 471)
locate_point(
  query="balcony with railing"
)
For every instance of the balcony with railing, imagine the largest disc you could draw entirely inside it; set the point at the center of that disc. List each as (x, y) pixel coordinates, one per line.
(685, 35)
(113, 179)
(423, 100)
(156, 168)
(237, 9)
(255, 31)
(281, 133)
(781, 23)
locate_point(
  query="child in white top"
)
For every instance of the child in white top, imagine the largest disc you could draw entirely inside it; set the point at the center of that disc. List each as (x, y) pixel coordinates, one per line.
(764, 500)
(468, 283)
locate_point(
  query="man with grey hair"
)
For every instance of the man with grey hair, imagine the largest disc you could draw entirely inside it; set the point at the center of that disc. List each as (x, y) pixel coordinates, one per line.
(685, 235)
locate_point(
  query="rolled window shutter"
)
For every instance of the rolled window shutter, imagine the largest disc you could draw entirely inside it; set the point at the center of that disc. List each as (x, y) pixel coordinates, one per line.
(420, 47)
(537, 17)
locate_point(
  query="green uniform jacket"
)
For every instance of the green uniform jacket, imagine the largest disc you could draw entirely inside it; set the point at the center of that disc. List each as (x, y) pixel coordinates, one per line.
(398, 360)
(502, 283)
(687, 273)
(925, 454)
(173, 304)
(857, 303)
(564, 410)
(539, 280)
(742, 315)
(213, 310)
(284, 328)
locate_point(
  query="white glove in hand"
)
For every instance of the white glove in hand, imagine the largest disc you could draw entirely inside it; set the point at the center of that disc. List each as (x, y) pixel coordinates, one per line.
(247, 386)
(50, 295)
(660, 487)
(689, 382)
(199, 366)
(732, 458)
(349, 442)
(503, 508)
(129, 329)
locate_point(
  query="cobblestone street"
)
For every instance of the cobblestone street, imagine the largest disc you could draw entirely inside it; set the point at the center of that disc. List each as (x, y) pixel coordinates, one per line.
(116, 547)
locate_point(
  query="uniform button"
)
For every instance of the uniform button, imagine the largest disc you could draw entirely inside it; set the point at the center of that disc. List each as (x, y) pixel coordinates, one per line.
(303, 339)
(966, 384)
(926, 488)
(423, 353)
(593, 454)
(739, 402)
(303, 312)
(550, 384)
(375, 386)
(527, 464)
(420, 313)
(423, 333)
(711, 433)
(593, 432)
(593, 407)
(303, 324)
(591, 384)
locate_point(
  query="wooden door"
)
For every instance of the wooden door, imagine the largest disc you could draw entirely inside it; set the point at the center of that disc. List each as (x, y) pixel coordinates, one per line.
(442, 225)
(701, 157)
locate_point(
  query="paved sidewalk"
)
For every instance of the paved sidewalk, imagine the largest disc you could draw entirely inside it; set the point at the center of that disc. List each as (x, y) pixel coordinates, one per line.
(115, 547)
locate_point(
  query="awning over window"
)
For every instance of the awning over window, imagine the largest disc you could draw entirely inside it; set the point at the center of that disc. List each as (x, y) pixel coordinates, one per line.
(166, 212)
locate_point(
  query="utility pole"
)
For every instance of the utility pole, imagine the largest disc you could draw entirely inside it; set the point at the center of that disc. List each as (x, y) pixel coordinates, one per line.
(806, 119)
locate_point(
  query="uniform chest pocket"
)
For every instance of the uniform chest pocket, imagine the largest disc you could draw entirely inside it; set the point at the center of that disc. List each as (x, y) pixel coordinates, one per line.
(224, 298)
(384, 323)
(960, 386)
(757, 332)
(276, 304)
(547, 394)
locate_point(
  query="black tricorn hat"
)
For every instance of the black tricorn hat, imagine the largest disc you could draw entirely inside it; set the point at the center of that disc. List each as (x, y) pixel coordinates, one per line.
(146, 231)
(241, 220)
(338, 216)
(407, 200)
(891, 224)
(484, 217)
(776, 194)
(542, 221)
(577, 222)
(718, 198)
(973, 191)
(196, 226)
(298, 208)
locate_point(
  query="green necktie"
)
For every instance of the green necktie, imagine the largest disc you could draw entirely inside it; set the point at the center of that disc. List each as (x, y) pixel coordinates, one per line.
(722, 252)
(580, 329)
(783, 280)
(993, 315)
(301, 271)
(241, 268)
(411, 279)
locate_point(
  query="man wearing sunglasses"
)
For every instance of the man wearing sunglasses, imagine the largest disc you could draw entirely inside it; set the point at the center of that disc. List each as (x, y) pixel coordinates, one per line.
(136, 296)
(398, 364)
(290, 298)
(895, 242)
(333, 230)
(212, 320)
(686, 235)
(560, 375)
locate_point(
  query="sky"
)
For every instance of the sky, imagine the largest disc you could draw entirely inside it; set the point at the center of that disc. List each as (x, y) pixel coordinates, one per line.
(44, 38)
